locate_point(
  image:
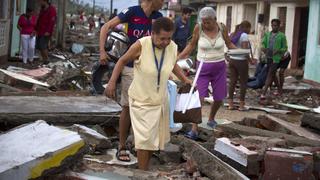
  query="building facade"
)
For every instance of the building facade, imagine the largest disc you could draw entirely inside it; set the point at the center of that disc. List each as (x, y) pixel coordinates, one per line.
(292, 13)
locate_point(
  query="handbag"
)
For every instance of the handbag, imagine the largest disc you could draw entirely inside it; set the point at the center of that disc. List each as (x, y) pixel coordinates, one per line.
(193, 111)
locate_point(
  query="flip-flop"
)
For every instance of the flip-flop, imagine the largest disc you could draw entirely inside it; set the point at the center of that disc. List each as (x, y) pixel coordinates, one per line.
(121, 154)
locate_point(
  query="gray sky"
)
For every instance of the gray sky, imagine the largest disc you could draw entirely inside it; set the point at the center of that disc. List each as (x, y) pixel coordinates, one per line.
(119, 4)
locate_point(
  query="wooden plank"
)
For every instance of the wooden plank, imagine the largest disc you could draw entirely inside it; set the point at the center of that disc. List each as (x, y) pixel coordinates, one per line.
(208, 163)
(291, 140)
(293, 128)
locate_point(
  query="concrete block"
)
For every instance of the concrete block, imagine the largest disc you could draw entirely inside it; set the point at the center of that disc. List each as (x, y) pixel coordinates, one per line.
(288, 164)
(36, 150)
(236, 152)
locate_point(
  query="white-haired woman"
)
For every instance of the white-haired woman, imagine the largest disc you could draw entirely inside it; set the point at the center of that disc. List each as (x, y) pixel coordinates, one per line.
(211, 36)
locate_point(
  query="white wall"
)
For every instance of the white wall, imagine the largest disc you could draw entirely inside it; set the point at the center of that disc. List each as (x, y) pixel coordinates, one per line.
(237, 18)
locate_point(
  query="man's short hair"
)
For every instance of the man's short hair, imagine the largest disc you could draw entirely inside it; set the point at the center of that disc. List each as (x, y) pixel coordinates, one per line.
(276, 21)
(186, 10)
(162, 23)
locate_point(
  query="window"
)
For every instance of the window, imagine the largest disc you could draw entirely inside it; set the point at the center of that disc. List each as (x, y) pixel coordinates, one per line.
(283, 18)
(229, 18)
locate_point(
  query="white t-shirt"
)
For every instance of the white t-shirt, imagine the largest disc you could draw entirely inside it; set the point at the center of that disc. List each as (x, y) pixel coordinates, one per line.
(243, 38)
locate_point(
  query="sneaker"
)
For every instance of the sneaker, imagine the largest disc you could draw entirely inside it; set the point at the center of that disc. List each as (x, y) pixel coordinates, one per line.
(212, 123)
(192, 135)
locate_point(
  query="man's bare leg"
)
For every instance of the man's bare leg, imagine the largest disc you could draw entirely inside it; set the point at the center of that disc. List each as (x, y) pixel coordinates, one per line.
(214, 109)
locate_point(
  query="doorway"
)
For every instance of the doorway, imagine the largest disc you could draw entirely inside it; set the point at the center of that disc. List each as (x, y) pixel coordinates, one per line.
(300, 32)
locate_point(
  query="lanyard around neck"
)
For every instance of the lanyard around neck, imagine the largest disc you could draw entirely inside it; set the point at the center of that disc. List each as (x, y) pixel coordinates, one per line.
(158, 66)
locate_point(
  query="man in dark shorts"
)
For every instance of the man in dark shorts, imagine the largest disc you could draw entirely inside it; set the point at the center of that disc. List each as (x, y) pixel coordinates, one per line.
(45, 26)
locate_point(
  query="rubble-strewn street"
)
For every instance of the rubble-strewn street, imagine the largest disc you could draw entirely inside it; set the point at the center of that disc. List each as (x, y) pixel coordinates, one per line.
(56, 122)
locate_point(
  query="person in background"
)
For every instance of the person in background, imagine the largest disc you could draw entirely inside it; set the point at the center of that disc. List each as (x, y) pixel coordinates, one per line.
(26, 25)
(91, 22)
(154, 60)
(101, 20)
(139, 19)
(114, 14)
(210, 36)
(238, 65)
(236, 31)
(45, 26)
(81, 17)
(274, 45)
(182, 31)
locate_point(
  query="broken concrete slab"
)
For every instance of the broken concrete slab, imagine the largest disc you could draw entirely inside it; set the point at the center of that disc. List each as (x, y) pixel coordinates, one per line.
(291, 140)
(208, 163)
(24, 78)
(237, 152)
(59, 109)
(38, 149)
(92, 137)
(279, 125)
(311, 120)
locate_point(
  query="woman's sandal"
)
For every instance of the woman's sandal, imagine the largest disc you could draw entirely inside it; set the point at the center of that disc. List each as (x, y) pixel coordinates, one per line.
(123, 155)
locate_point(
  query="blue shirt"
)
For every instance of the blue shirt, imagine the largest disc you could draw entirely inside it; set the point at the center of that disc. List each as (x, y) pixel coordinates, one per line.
(182, 32)
(139, 24)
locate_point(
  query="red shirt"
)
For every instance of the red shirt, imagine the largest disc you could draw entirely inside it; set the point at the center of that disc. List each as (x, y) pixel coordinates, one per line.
(27, 25)
(46, 21)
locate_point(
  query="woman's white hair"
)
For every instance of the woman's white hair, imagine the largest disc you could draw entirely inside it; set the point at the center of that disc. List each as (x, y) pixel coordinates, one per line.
(206, 12)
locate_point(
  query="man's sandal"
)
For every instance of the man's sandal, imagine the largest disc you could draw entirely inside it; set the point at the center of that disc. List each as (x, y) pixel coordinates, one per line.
(123, 155)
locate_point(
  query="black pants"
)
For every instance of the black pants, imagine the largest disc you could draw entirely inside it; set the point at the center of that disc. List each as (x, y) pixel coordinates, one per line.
(98, 72)
(238, 70)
